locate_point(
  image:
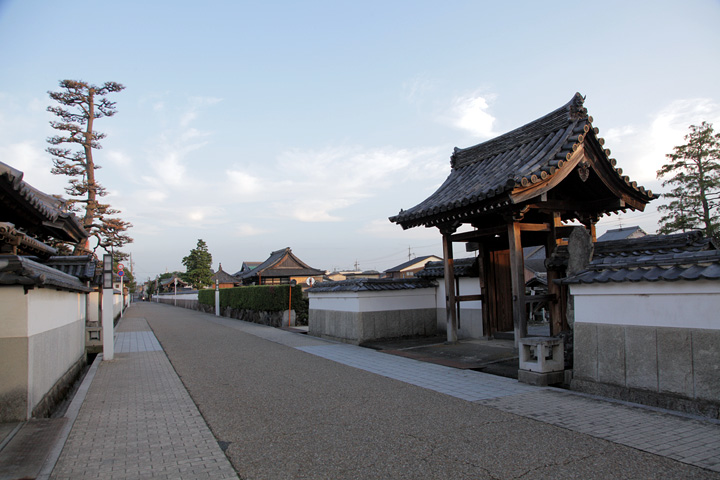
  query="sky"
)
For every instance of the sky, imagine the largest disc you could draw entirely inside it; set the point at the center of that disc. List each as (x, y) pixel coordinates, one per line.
(257, 126)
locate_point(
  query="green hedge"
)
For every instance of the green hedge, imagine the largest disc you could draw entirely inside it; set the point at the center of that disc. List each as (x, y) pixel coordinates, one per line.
(263, 298)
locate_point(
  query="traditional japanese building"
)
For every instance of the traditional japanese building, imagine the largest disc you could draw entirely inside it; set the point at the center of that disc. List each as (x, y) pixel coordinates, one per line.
(224, 279)
(518, 190)
(282, 267)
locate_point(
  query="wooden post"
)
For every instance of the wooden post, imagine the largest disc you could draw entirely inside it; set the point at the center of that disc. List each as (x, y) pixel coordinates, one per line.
(451, 323)
(484, 259)
(556, 306)
(517, 275)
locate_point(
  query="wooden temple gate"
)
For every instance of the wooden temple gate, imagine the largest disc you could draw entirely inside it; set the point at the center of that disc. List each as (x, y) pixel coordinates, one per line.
(523, 189)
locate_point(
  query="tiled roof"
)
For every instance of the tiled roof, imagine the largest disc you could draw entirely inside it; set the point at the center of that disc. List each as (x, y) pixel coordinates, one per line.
(621, 234)
(82, 267)
(372, 285)
(463, 267)
(224, 277)
(683, 256)
(272, 267)
(48, 214)
(409, 263)
(17, 270)
(483, 176)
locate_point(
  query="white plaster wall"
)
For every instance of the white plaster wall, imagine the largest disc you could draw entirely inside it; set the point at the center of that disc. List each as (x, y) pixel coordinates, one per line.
(50, 326)
(49, 309)
(361, 302)
(687, 304)
(13, 312)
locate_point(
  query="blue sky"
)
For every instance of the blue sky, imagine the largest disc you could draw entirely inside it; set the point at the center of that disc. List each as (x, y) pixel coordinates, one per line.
(262, 125)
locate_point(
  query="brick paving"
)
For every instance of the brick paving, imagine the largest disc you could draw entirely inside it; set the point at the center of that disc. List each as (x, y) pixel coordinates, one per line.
(138, 421)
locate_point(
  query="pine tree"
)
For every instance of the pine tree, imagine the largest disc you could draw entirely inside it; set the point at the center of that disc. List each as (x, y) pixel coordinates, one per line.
(695, 196)
(198, 265)
(80, 104)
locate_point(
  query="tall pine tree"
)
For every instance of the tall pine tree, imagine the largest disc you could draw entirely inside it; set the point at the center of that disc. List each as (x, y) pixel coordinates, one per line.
(80, 104)
(694, 175)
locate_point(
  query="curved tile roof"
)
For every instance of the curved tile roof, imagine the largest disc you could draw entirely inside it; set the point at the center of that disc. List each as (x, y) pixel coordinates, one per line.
(683, 256)
(55, 220)
(372, 285)
(484, 175)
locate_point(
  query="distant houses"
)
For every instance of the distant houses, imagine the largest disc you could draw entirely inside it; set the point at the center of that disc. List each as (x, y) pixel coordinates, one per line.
(411, 267)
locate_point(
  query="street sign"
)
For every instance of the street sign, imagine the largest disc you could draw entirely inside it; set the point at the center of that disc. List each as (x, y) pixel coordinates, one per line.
(121, 267)
(120, 273)
(310, 281)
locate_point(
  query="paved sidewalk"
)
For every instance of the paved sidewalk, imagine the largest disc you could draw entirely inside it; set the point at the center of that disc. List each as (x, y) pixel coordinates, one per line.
(138, 421)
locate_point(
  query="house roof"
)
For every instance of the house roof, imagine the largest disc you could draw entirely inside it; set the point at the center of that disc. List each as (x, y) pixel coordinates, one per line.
(372, 285)
(525, 163)
(410, 263)
(281, 263)
(246, 267)
(684, 256)
(17, 270)
(224, 277)
(36, 213)
(621, 234)
(463, 267)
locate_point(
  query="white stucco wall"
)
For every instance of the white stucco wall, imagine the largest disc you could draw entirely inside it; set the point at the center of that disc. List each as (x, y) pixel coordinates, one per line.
(361, 302)
(689, 304)
(44, 332)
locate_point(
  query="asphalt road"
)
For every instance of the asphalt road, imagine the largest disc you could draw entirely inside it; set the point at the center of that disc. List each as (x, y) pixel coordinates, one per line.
(286, 414)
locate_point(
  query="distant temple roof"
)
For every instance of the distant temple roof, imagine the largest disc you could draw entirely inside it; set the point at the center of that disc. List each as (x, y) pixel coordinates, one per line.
(281, 263)
(223, 277)
(652, 258)
(527, 162)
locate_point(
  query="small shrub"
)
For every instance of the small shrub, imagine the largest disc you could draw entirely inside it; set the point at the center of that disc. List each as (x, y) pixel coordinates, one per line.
(261, 298)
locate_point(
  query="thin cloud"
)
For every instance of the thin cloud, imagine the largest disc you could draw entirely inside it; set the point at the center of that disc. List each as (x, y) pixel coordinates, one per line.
(641, 149)
(471, 113)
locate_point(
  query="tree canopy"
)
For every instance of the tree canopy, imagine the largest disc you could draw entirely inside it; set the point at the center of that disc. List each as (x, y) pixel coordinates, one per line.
(79, 104)
(693, 173)
(198, 266)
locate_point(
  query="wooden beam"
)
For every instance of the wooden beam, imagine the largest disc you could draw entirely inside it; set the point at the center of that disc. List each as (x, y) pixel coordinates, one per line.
(468, 298)
(517, 275)
(477, 233)
(451, 318)
(534, 227)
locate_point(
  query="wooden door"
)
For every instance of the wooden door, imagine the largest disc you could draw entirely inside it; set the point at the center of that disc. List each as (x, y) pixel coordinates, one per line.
(499, 290)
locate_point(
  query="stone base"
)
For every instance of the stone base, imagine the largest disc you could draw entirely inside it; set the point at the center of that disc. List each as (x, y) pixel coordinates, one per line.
(646, 397)
(541, 379)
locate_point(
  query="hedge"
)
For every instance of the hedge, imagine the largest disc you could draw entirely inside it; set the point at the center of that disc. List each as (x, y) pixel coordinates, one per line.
(263, 298)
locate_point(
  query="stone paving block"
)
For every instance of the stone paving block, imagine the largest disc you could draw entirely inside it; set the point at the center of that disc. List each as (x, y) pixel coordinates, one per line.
(136, 420)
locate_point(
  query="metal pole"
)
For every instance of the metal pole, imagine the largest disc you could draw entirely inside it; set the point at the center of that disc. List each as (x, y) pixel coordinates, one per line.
(217, 297)
(122, 295)
(175, 293)
(290, 306)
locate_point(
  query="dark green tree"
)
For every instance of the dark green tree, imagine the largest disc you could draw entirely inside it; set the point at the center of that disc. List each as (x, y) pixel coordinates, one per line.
(80, 104)
(198, 263)
(694, 175)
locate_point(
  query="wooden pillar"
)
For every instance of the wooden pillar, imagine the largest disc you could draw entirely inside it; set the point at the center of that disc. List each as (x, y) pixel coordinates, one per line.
(556, 305)
(517, 275)
(484, 259)
(451, 322)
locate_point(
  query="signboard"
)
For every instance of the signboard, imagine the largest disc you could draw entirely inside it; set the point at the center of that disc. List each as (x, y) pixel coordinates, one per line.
(310, 281)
